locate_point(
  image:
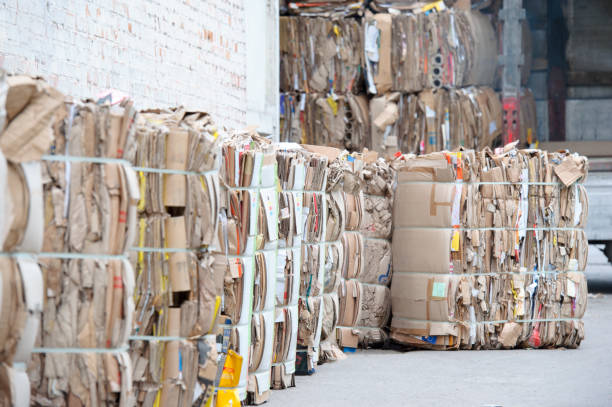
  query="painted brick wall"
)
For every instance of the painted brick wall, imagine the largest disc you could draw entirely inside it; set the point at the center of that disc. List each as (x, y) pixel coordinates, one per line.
(161, 52)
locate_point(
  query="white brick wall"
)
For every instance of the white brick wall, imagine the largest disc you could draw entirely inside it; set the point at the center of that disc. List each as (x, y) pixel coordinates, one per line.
(161, 52)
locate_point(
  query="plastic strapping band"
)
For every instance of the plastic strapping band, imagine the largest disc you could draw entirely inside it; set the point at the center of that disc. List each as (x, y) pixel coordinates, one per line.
(503, 321)
(484, 229)
(290, 306)
(81, 350)
(483, 183)
(151, 338)
(359, 327)
(377, 238)
(92, 160)
(374, 196)
(107, 160)
(174, 172)
(67, 256)
(487, 274)
(306, 191)
(165, 250)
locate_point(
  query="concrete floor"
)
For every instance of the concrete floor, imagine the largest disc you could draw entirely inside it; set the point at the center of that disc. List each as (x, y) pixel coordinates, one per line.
(581, 377)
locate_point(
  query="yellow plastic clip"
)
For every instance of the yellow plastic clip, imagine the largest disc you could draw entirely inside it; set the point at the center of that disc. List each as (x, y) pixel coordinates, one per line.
(141, 241)
(333, 104)
(455, 242)
(514, 294)
(157, 398)
(143, 190)
(336, 30)
(217, 306)
(215, 135)
(204, 187)
(438, 5)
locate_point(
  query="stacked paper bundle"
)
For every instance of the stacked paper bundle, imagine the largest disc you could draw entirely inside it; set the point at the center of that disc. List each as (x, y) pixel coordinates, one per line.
(312, 270)
(364, 302)
(291, 161)
(334, 256)
(495, 256)
(248, 162)
(340, 121)
(263, 319)
(331, 8)
(434, 120)
(178, 288)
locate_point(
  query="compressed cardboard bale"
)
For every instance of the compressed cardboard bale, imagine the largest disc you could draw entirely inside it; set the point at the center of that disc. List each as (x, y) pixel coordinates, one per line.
(331, 8)
(334, 259)
(341, 121)
(313, 256)
(476, 257)
(291, 162)
(435, 119)
(363, 295)
(178, 212)
(264, 298)
(447, 48)
(248, 228)
(320, 55)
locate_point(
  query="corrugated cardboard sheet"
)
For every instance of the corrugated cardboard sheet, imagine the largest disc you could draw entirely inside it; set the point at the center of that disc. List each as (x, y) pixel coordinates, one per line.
(484, 259)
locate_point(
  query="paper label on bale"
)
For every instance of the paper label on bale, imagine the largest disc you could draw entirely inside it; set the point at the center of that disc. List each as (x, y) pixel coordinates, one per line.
(438, 290)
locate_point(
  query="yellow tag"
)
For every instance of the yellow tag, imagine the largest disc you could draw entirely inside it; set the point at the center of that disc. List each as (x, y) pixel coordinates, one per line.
(231, 370)
(143, 190)
(203, 183)
(217, 305)
(215, 135)
(210, 398)
(554, 240)
(529, 135)
(141, 240)
(157, 398)
(455, 242)
(514, 294)
(333, 104)
(336, 30)
(438, 5)
(278, 185)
